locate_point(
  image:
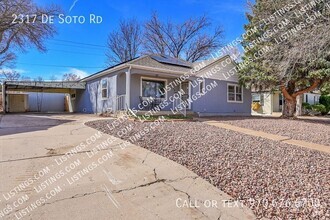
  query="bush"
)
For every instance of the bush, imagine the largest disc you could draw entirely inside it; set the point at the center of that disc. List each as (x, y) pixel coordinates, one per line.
(320, 108)
(306, 106)
(325, 100)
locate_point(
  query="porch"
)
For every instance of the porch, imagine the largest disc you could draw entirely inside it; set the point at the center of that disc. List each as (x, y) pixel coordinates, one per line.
(161, 93)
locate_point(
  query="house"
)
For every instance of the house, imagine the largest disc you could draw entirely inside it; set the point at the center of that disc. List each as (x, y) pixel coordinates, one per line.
(207, 88)
(312, 97)
(269, 102)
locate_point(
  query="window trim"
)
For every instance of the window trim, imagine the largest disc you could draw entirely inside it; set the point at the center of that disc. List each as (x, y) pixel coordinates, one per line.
(189, 91)
(153, 79)
(199, 85)
(73, 96)
(235, 85)
(107, 97)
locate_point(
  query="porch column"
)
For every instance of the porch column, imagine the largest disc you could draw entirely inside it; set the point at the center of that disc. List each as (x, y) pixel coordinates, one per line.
(4, 97)
(128, 89)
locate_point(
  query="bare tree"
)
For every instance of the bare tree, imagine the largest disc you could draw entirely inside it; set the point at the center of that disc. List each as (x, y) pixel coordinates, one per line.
(26, 78)
(70, 77)
(53, 78)
(125, 43)
(21, 26)
(9, 75)
(189, 40)
(39, 79)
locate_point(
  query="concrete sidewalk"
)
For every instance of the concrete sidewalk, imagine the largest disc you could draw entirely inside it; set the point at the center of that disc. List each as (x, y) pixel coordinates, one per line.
(273, 137)
(103, 178)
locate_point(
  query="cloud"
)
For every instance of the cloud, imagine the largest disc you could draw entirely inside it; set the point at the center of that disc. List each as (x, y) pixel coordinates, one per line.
(76, 71)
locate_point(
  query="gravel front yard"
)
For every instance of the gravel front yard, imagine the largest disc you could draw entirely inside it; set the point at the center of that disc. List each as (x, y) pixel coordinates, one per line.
(255, 170)
(314, 131)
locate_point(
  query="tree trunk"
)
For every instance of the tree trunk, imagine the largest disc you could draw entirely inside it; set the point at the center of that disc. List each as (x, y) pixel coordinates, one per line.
(289, 108)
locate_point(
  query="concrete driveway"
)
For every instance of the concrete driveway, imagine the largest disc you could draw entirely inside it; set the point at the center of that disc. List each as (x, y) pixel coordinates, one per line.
(55, 167)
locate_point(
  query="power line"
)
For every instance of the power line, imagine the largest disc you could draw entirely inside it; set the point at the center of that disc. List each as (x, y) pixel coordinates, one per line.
(76, 52)
(52, 65)
(85, 47)
(74, 42)
(80, 43)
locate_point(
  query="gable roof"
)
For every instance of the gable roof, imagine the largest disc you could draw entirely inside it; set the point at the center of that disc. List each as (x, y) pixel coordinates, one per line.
(151, 62)
(155, 62)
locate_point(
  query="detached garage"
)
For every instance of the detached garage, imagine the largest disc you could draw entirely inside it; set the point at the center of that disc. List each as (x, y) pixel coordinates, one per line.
(28, 96)
(37, 102)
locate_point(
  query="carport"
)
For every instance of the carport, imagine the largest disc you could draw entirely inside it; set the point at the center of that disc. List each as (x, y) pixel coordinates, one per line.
(17, 87)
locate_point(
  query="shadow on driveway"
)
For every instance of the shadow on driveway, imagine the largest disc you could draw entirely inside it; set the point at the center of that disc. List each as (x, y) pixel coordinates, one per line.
(22, 123)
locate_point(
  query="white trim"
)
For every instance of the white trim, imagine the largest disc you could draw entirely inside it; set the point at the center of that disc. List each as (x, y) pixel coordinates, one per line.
(157, 69)
(235, 85)
(154, 79)
(189, 91)
(199, 85)
(107, 80)
(128, 88)
(103, 73)
(128, 65)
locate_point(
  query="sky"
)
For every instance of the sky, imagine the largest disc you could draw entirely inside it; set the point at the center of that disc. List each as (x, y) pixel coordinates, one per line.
(80, 48)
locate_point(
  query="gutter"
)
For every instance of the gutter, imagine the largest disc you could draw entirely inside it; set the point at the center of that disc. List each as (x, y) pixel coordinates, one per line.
(132, 66)
(105, 73)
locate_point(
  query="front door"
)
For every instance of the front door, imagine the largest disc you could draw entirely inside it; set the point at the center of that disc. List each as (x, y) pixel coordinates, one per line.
(185, 87)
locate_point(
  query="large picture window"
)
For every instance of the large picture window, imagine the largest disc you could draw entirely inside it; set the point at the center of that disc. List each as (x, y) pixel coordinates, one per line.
(104, 88)
(153, 88)
(234, 93)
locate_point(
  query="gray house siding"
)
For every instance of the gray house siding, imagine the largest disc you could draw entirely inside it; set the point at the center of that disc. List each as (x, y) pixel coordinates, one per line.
(214, 102)
(90, 100)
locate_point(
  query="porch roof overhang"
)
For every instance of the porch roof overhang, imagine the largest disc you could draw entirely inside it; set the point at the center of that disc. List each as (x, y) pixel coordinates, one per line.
(132, 66)
(33, 86)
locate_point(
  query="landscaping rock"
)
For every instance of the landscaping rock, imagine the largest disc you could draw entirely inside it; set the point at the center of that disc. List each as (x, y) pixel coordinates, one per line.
(276, 180)
(314, 131)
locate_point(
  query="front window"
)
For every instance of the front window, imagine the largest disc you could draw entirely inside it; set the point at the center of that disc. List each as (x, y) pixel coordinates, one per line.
(104, 88)
(153, 88)
(201, 86)
(234, 93)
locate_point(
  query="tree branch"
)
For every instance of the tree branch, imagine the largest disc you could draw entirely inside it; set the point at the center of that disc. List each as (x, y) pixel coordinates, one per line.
(285, 92)
(311, 88)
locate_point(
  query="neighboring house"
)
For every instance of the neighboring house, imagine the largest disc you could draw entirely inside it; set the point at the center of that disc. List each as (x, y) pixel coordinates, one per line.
(131, 84)
(273, 102)
(312, 98)
(269, 102)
